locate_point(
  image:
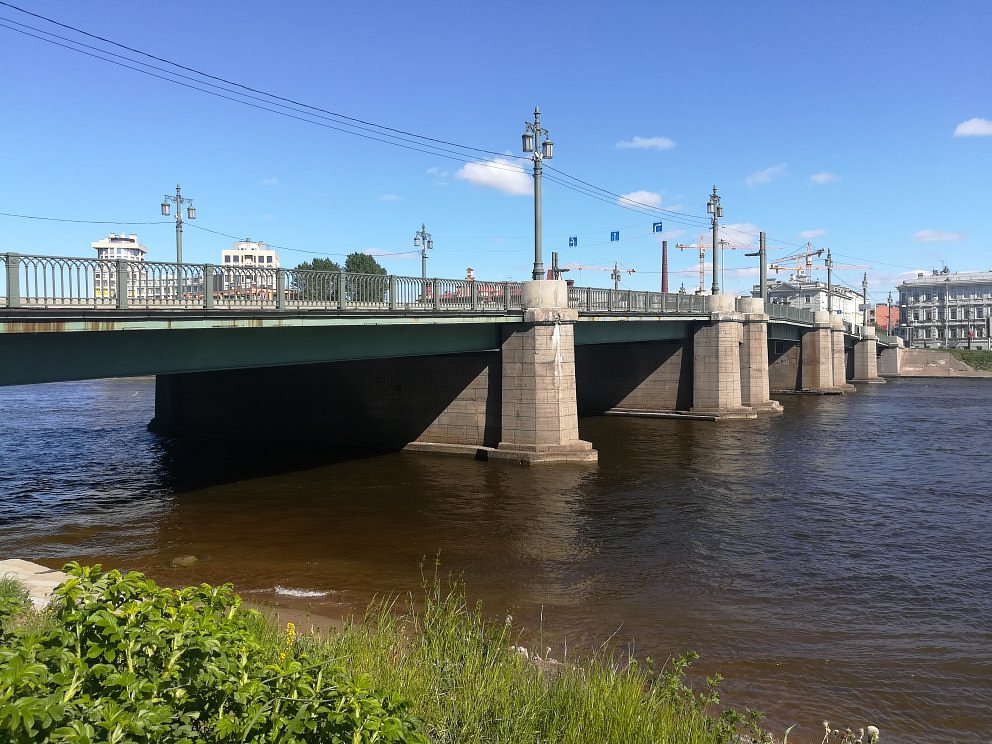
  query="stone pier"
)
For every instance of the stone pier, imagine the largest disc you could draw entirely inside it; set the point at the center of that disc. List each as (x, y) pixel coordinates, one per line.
(716, 369)
(839, 358)
(866, 358)
(818, 356)
(540, 421)
(754, 359)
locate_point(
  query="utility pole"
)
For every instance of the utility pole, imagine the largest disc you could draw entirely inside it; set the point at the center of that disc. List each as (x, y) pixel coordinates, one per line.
(716, 211)
(179, 200)
(616, 275)
(864, 300)
(888, 317)
(423, 240)
(762, 269)
(830, 301)
(543, 150)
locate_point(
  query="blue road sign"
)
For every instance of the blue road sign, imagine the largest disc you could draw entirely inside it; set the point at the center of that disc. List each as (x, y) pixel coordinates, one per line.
(573, 242)
(656, 226)
(615, 235)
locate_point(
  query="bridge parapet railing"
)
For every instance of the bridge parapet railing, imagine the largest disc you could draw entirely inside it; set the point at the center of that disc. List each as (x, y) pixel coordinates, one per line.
(60, 282)
(788, 312)
(596, 300)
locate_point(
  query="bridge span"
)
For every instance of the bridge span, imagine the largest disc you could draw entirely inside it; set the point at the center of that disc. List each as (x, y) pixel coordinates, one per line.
(500, 369)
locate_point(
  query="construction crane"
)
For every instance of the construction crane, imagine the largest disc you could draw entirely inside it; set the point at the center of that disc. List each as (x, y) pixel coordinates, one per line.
(804, 263)
(702, 260)
(701, 246)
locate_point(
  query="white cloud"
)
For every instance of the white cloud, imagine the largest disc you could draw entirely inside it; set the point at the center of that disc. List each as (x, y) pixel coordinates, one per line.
(974, 128)
(270, 181)
(822, 178)
(670, 234)
(649, 198)
(646, 143)
(389, 197)
(766, 175)
(498, 174)
(435, 171)
(810, 234)
(937, 236)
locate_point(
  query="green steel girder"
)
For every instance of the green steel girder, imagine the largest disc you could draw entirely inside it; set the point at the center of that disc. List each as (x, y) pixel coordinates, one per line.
(588, 331)
(52, 356)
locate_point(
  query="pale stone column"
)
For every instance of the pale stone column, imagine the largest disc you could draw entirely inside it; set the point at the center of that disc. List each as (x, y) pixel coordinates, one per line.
(716, 363)
(754, 358)
(866, 358)
(817, 356)
(540, 421)
(839, 360)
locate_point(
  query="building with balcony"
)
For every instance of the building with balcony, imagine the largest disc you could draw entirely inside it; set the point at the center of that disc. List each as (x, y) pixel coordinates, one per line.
(946, 309)
(249, 266)
(114, 247)
(802, 291)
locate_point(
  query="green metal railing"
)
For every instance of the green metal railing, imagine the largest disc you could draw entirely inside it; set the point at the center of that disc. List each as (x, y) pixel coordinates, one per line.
(61, 283)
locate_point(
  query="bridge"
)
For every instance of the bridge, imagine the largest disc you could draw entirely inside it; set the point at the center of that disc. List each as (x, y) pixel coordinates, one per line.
(497, 369)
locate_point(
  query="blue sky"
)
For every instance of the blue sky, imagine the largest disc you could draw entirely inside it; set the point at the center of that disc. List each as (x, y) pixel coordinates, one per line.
(863, 127)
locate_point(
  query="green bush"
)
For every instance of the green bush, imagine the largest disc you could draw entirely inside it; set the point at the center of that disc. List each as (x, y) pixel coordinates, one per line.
(125, 660)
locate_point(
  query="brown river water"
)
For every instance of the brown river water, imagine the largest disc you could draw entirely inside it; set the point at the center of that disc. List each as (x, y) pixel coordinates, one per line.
(832, 563)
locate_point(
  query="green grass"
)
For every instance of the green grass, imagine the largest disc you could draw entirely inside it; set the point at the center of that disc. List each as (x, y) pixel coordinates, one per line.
(470, 684)
(113, 650)
(980, 360)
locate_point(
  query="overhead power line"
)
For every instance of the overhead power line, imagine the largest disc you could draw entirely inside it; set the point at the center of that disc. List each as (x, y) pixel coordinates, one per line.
(263, 100)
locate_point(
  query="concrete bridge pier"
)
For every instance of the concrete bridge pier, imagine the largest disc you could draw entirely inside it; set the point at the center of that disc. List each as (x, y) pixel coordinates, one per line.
(754, 359)
(866, 358)
(839, 355)
(818, 356)
(716, 368)
(540, 421)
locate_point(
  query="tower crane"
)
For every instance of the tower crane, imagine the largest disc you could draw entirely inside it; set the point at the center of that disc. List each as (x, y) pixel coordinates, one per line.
(804, 263)
(702, 259)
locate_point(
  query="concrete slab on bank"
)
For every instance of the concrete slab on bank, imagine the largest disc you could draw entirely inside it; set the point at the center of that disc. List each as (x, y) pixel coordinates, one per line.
(39, 580)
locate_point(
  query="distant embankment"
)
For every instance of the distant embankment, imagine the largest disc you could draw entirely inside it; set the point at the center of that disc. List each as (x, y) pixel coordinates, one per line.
(933, 363)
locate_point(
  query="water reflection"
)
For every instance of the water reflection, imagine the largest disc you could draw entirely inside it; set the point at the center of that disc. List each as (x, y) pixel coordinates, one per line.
(831, 562)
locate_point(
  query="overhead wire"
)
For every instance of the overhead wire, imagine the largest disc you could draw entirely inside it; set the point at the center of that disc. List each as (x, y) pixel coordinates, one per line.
(284, 106)
(232, 83)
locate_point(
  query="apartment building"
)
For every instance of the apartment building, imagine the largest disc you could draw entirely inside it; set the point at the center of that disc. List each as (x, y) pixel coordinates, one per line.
(946, 309)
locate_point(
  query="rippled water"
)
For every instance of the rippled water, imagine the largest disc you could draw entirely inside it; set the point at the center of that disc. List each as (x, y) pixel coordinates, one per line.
(832, 563)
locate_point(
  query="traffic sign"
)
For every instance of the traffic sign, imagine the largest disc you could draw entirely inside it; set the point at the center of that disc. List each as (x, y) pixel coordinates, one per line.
(656, 226)
(573, 242)
(615, 235)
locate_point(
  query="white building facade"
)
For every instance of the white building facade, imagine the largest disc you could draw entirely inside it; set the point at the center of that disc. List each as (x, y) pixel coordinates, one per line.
(249, 265)
(804, 292)
(946, 309)
(115, 247)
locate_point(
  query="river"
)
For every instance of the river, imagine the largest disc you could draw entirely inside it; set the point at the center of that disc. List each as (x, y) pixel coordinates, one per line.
(832, 563)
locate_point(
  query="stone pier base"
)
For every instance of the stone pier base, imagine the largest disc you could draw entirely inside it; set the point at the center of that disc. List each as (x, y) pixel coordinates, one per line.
(839, 358)
(866, 359)
(540, 421)
(818, 357)
(716, 369)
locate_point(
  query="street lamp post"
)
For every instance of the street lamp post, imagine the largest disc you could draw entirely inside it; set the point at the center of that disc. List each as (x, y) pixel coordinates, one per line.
(542, 149)
(864, 301)
(179, 200)
(888, 317)
(714, 209)
(423, 240)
